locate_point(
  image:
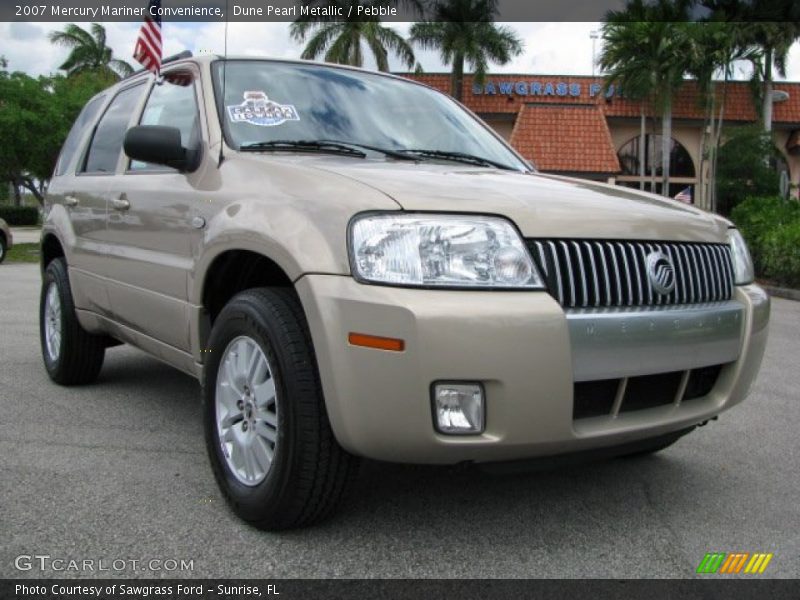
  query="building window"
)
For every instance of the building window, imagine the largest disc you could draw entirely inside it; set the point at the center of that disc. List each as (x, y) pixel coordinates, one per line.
(681, 164)
(683, 179)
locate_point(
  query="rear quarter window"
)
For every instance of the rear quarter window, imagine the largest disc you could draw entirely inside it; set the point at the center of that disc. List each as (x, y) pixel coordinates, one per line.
(76, 134)
(106, 144)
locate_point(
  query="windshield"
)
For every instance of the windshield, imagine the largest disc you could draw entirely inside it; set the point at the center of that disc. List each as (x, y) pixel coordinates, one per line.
(273, 101)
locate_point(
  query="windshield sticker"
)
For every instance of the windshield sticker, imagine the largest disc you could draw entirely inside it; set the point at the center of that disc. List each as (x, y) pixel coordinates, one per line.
(258, 109)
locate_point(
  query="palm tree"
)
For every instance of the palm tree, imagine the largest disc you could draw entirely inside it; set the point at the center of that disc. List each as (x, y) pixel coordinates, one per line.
(644, 52)
(342, 41)
(773, 40)
(463, 31)
(88, 51)
(713, 48)
(766, 30)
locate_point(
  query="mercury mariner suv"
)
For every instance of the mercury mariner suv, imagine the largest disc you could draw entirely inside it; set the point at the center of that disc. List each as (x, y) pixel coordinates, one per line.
(354, 265)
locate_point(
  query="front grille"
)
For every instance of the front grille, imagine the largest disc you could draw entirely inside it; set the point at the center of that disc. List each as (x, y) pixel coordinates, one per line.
(606, 273)
(599, 398)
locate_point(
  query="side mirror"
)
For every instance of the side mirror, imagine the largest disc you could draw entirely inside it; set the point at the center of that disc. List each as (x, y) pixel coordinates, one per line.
(160, 145)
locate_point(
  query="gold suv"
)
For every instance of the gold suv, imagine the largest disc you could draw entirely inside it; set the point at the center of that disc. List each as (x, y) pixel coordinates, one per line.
(353, 265)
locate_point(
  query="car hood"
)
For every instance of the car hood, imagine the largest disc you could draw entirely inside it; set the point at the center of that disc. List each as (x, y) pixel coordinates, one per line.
(540, 205)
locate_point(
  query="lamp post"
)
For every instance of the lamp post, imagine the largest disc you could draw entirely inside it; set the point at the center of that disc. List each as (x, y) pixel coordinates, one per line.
(594, 34)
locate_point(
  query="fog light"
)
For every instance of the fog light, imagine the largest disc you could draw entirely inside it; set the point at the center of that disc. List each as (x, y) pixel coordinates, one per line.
(458, 408)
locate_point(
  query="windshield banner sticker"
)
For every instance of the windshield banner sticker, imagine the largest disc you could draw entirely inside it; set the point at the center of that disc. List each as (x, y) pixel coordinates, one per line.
(258, 109)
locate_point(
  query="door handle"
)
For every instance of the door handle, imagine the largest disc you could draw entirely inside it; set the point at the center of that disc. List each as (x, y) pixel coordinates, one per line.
(121, 202)
(70, 200)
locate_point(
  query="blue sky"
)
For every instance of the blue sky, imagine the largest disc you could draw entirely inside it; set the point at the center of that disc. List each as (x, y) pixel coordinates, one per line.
(550, 48)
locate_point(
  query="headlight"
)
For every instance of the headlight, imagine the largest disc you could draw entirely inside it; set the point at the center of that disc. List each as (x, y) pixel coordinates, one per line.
(742, 263)
(440, 250)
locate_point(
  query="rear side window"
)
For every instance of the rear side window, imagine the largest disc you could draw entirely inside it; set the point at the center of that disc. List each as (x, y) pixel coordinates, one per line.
(107, 141)
(83, 121)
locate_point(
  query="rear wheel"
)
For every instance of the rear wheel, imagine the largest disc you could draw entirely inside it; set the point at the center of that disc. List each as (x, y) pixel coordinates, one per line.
(3, 247)
(71, 355)
(268, 437)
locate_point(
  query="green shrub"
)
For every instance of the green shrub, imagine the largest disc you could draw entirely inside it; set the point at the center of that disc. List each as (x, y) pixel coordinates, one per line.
(743, 169)
(771, 227)
(781, 255)
(20, 215)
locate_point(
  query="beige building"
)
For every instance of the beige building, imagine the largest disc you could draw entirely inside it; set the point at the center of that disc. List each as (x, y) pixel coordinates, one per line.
(569, 125)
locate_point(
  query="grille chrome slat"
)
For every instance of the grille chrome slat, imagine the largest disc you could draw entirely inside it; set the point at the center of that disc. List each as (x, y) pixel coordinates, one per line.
(691, 273)
(649, 288)
(614, 273)
(723, 288)
(605, 272)
(627, 273)
(696, 273)
(712, 284)
(557, 271)
(704, 271)
(728, 264)
(584, 281)
(570, 274)
(542, 259)
(597, 299)
(715, 269)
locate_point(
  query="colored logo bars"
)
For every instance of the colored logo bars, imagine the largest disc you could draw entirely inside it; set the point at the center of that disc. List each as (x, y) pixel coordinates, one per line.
(734, 562)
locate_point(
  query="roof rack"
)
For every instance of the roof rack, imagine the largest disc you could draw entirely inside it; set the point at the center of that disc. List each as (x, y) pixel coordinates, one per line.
(178, 56)
(169, 59)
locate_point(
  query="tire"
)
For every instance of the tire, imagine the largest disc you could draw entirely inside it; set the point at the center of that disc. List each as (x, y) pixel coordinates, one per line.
(71, 355)
(3, 248)
(296, 474)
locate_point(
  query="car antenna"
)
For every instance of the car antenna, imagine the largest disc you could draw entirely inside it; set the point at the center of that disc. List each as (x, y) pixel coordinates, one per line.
(224, 80)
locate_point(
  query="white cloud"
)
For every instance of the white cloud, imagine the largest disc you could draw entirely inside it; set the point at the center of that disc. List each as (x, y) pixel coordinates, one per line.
(550, 48)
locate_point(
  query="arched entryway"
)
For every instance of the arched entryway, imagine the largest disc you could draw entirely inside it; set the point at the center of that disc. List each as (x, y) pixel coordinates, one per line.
(682, 172)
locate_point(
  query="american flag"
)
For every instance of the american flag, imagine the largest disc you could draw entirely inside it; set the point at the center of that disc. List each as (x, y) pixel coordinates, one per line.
(148, 47)
(685, 195)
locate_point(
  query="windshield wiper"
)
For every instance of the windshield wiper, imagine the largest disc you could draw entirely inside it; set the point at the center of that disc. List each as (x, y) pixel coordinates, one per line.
(350, 149)
(398, 154)
(457, 157)
(303, 146)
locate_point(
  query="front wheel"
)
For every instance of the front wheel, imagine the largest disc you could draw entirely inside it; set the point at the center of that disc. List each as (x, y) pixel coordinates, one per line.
(71, 355)
(268, 437)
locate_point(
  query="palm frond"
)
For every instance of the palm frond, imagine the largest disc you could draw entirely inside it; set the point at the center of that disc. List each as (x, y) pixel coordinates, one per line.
(340, 50)
(120, 67)
(320, 41)
(71, 37)
(99, 34)
(390, 40)
(379, 53)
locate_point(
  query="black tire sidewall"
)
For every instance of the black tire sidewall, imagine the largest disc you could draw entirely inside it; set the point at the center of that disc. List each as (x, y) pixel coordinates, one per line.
(55, 273)
(3, 249)
(243, 318)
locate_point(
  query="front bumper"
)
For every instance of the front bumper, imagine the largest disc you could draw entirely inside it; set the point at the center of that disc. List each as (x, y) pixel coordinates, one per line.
(519, 345)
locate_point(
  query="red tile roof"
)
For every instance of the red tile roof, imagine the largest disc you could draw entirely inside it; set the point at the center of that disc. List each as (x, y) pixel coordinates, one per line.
(572, 138)
(738, 98)
(565, 132)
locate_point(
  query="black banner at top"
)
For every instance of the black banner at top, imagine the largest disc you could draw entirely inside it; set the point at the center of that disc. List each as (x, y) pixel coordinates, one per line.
(291, 10)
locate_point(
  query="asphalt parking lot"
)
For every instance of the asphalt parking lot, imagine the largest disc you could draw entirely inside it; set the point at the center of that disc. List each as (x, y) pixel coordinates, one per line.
(117, 470)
